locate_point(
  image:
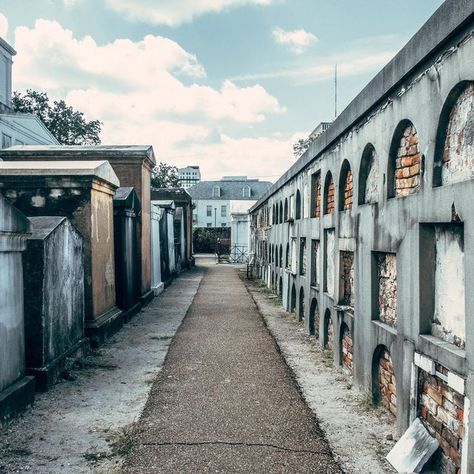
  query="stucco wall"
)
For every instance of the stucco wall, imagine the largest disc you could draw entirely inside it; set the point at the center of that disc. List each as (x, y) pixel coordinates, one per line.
(401, 225)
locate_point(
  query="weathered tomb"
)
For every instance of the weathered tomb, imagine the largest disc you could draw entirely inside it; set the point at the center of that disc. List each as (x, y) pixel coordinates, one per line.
(127, 261)
(82, 192)
(16, 390)
(133, 166)
(54, 298)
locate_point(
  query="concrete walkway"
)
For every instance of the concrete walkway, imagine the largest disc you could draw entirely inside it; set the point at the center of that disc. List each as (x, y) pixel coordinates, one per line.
(225, 400)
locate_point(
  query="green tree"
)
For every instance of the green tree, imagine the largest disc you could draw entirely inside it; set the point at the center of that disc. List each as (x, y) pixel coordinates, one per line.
(301, 146)
(165, 176)
(67, 125)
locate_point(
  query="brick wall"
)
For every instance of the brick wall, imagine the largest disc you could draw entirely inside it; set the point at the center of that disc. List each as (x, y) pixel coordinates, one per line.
(317, 204)
(408, 163)
(459, 144)
(347, 349)
(330, 198)
(387, 283)
(348, 191)
(387, 383)
(347, 274)
(442, 412)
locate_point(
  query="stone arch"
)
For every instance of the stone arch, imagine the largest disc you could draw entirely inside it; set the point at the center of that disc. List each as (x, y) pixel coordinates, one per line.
(293, 299)
(286, 210)
(281, 212)
(281, 256)
(346, 187)
(454, 152)
(384, 387)
(405, 162)
(301, 306)
(273, 214)
(368, 176)
(346, 344)
(287, 260)
(328, 200)
(328, 331)
(280, 287)
(277, 260)
(298, 205)
(314, 318)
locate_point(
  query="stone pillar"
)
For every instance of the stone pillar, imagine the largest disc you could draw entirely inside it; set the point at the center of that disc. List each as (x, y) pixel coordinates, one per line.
(82, 192)
(16, 390)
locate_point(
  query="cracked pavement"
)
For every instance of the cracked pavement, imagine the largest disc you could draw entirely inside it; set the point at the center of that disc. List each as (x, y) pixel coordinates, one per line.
(225, 400)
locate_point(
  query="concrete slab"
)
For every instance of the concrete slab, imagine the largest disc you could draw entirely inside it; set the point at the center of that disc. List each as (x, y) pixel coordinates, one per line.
(413, 450)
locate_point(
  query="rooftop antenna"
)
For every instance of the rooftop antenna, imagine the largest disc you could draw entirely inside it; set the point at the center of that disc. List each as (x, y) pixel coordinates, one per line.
(335, 91)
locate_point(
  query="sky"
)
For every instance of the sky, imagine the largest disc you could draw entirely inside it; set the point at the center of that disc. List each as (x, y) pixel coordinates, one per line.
(228, 85)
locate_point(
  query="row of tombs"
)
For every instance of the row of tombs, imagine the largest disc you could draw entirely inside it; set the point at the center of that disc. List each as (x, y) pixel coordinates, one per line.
(368, 239)
(85, 243)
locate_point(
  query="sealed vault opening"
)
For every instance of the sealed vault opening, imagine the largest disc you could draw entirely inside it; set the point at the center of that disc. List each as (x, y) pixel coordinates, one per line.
(329, 257)
(442, 282)
(346, 346)
(328, 331)
(301, 308)
(384, 387)
(441, 410)
(346, 273)
(315, 262)
(293, 299)
(314, 318)
(384, 287)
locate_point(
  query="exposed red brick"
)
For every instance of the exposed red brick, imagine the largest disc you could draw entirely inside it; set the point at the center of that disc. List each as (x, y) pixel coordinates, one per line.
(387, 383)
(347, 361)
(330, 198)
(408, 163)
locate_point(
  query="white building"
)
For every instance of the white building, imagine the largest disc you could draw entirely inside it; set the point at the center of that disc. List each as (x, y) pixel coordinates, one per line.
(216, 201)
(16, 128)
(189, 176)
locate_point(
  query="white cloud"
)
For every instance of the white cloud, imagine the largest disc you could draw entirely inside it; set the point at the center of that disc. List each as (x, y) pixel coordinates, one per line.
(3, 26)
(297, 41)
(173, 13)
(151, 92)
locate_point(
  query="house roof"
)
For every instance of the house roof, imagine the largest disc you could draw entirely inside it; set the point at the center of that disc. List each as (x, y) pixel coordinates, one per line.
(29, 126)
(229, 189)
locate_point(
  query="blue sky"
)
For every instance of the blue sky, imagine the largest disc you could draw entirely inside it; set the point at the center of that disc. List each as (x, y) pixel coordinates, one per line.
(225, 84)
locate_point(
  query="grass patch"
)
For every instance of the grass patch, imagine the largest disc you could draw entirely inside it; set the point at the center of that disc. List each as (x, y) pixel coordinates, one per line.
(327, 357)
(123, 440)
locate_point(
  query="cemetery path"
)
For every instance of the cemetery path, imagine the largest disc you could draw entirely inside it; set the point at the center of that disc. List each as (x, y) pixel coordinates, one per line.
(225, 400)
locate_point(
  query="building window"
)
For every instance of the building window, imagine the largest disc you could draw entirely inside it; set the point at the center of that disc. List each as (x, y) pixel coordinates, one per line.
(246, 192)
(209, 211)
(223, 211)
(6, 140)
(216, 191)
(208, 224)
(223, 224)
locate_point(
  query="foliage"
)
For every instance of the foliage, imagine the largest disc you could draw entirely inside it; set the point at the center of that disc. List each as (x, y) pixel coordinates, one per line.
(205, 238)
(301, 146)
(67, 125)
(165, 176)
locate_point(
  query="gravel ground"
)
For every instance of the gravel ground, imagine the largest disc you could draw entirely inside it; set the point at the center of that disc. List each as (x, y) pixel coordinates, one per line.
(359, 434)
(84, 425)
(225, 400)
